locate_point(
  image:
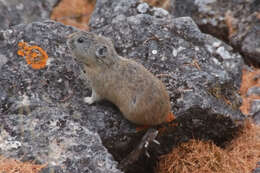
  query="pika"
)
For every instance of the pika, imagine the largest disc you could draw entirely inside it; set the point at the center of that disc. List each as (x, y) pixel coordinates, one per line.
(140, 96)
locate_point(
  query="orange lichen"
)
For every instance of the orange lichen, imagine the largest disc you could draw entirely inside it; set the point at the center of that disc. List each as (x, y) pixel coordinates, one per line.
(35, 56)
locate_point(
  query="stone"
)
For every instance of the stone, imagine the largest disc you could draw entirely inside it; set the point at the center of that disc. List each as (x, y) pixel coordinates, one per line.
(14, 12)
(41, 109)
(257, 170)
(201, 73)
(237, 22)
(255, 106)
(253, 91)
(48, 135)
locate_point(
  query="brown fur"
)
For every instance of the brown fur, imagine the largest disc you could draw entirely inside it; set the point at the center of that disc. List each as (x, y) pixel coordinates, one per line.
(140, 96)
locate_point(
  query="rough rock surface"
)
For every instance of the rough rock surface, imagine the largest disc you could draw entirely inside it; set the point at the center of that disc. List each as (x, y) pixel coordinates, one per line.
(236, 21)
(47, 135)
(202, 75)
(13, 12)
(257, 170)
(41, 110)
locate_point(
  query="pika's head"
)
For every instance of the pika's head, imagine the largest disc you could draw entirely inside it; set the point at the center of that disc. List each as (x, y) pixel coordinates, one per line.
(91, 49)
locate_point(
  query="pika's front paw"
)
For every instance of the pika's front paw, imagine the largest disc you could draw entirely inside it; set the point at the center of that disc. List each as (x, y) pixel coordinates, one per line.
(89, 100)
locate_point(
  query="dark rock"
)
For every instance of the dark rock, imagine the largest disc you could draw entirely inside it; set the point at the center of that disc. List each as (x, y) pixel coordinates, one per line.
(202, 73)
(209, 15)
(256, 117)
(233, 21)
(42, 111)
(13, 12)
(48, 135)
(247, 37)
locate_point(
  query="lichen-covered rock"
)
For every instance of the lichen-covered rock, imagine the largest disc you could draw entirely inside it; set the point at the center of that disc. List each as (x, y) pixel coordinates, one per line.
(199, 70)
(235, 21)
(202, 75)
(42, 114)
(13, 12)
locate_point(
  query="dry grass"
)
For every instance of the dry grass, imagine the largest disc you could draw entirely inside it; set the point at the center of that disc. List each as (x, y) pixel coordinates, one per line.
(14, 166)
(158, 3)
(75, 13)
(240, 156)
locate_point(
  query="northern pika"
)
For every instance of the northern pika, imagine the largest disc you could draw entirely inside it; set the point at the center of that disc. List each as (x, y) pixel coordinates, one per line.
(140, 96)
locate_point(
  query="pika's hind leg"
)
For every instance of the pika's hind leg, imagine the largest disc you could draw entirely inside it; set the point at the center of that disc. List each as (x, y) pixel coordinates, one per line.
(94, 98)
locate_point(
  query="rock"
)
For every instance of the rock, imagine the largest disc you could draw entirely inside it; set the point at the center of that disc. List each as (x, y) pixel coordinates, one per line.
(3, 60)
(14, 12)
(209, 15)
(202, 73)
(42, 111)
(253, 91)
(257, 170)
(237, 22)
(256, 117)
(48, 135)
(255, 106)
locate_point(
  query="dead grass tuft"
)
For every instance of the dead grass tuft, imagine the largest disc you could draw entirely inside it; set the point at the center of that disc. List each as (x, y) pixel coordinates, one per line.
(240, 156)
(76, 13)
(15, 166)
(159, 3)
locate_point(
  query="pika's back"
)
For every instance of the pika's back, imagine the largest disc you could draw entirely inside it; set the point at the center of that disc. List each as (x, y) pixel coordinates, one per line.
(140, 96)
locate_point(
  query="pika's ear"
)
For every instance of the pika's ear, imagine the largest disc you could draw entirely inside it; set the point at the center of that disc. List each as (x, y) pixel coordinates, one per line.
(101, 51)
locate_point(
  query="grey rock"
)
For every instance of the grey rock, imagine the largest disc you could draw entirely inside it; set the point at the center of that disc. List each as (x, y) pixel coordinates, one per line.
(13, 12)
(211, 15)
(142, 8)
(255, 106)
(48, 135)
(42, 110)
(250, 44)
(3, 60)
(257, 170)
(256, 117)
(202, 73)
(253, 91)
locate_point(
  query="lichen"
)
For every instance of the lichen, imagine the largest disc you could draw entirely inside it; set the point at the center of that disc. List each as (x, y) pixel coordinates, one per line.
(35, 56)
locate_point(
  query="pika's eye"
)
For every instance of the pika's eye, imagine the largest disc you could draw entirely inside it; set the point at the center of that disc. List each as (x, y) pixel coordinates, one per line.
(80, 40)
